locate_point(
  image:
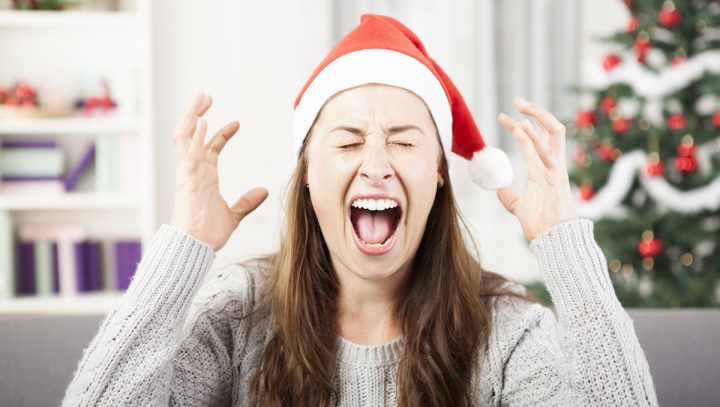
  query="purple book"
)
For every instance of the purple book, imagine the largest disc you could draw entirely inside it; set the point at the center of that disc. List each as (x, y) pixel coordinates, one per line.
(122, 267)
(55, 268)
(73, 176)
(10, 178)
(25, 268)
(28, 144)
(94, 269)
(81, 266)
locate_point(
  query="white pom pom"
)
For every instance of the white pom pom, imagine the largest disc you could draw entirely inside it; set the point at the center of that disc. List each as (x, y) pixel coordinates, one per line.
(490, 168)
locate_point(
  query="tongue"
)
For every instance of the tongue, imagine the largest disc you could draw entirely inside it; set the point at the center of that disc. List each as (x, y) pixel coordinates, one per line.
(374, 226)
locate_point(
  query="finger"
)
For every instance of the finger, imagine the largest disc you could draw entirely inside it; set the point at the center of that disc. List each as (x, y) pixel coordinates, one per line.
(205, 105)
(197, 147)
(248, 202)
(509, 199)
(188, 122)
(541, 146)
(517, 132)
(556, 130)
(220, 139)
(186, 125)
(543, 133)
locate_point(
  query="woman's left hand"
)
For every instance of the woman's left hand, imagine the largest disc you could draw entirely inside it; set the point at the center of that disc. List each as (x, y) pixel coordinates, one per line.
(548, 199)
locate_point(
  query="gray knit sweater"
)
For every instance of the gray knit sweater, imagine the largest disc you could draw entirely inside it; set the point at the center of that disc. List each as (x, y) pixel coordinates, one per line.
(175, 337)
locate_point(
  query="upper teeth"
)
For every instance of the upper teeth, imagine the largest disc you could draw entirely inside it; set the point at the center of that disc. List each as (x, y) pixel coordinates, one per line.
(374, 204)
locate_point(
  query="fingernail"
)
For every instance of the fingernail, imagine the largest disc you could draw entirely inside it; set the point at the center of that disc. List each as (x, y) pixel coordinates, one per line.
(521, 101)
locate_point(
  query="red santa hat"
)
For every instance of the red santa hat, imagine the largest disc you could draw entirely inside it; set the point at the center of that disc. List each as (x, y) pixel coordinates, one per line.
(382, 50)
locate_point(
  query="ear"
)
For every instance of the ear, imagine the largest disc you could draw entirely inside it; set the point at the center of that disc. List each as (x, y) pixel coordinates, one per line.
(441, 180)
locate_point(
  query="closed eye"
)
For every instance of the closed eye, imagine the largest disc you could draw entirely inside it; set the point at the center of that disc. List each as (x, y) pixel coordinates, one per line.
(346, 146)
(403, 144)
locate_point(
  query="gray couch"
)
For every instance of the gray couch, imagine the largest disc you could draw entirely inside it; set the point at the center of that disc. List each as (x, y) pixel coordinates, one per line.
(39, 353)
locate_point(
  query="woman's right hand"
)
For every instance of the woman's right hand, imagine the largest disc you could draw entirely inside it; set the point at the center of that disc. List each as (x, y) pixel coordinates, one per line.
(199, 209)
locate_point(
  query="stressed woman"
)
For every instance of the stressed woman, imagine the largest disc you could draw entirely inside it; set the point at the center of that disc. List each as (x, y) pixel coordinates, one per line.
(374, 296)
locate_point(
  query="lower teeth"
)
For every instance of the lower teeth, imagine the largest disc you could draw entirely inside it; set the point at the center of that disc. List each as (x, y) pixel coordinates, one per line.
(376, 244)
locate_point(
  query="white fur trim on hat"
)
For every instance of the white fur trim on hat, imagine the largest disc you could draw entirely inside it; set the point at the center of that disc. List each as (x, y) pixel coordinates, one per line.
(490, 168)
(374, 66)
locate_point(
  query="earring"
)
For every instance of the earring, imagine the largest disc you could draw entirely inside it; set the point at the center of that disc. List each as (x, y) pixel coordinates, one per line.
(307, 186)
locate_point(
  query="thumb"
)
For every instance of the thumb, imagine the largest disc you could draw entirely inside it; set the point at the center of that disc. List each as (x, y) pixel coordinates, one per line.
(509, 199)
(248, 203)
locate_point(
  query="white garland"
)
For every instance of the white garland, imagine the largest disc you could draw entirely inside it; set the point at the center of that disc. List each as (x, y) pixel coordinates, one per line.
(621, 179)
(652, 85)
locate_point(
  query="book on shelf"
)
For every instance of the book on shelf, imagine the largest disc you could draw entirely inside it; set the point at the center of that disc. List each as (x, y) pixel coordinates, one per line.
(73, 175)
(117, 169)
(37, 167)
(31, 166)
(7, 256)
(56, 258)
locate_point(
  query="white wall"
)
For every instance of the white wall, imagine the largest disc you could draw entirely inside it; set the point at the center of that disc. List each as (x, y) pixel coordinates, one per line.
(252, 57)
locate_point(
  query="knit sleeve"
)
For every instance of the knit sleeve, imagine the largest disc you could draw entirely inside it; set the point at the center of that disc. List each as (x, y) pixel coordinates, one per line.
(586, 353)
(144, 353)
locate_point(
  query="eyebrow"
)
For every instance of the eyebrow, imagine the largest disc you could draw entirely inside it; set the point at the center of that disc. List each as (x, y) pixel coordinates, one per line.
(391, 130)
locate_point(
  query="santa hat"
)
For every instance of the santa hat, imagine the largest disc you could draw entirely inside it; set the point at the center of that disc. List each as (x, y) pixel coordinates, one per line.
(382, 50)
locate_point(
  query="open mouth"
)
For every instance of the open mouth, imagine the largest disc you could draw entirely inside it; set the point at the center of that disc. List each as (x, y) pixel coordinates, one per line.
(375, 221)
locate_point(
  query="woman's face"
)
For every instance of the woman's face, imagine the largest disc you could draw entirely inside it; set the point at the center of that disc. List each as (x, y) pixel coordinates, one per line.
(373, 169)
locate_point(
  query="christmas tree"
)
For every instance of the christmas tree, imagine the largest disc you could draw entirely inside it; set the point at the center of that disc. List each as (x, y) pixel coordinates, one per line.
(647, 164)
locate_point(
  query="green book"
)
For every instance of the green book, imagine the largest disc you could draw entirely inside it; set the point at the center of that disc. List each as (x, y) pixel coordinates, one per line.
(43, 267)
(107, 164)
(32, 162)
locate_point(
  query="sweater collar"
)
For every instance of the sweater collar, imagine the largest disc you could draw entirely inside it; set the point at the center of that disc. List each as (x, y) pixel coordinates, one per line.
(369, 355)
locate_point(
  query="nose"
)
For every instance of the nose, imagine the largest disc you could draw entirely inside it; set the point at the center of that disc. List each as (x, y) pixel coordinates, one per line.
(375, 167)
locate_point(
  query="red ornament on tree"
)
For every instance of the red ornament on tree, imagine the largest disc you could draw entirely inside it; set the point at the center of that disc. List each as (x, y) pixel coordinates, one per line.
(586, 192)
(607, 104)
(678, 59)
(580, 157)
(654, 167)
(607, 152)
(621, 124)
(685, 161)
(676, 122)
(649, 246)
(716, 119)
(669, 16)
(642, 44)
(610, 62)
(632, 24)
(585, 118)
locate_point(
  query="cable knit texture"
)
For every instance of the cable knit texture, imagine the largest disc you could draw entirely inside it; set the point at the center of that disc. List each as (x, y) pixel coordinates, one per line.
(180, 337)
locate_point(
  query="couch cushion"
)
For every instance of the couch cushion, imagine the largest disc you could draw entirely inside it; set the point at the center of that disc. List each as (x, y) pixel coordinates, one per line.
(40, 353)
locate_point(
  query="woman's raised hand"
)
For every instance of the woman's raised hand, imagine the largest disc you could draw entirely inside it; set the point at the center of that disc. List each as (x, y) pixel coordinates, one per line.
(548, 199)
(199, 209)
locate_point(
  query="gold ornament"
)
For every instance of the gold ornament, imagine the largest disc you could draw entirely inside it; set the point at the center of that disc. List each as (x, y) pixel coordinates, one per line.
(686, 259)
(644, 124)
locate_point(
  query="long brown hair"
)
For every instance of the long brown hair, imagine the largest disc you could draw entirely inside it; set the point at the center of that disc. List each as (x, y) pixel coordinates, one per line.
(444, 311)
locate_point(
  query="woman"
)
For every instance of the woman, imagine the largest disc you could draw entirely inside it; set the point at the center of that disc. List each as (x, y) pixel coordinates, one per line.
(373, 297)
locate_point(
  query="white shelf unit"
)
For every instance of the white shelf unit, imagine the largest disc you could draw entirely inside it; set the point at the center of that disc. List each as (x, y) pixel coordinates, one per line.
(42, 46)
(82, 304)
(72, 125)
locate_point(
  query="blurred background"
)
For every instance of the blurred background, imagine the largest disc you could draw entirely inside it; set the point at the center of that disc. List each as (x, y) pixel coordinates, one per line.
(90, 92)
